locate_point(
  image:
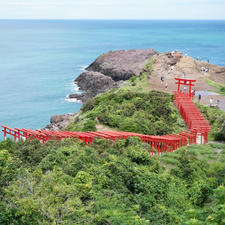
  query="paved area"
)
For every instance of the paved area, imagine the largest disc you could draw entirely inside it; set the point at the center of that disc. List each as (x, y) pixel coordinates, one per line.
(206, 101)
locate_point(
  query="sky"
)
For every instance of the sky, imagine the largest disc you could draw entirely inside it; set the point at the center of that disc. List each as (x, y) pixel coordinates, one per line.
(112, 9)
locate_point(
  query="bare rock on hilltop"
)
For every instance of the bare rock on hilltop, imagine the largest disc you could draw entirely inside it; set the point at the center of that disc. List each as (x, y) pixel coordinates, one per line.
(110, 70)
(123, 64)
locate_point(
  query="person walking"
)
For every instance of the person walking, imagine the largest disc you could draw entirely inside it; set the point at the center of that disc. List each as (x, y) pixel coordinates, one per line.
(210, 102)
(166, 86)
(217, 103)
(199, 97)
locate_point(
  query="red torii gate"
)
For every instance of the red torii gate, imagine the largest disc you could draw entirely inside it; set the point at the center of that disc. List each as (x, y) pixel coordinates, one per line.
(187, 82)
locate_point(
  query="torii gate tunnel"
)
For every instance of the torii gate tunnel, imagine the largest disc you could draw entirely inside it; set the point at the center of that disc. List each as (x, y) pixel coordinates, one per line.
(198, 128)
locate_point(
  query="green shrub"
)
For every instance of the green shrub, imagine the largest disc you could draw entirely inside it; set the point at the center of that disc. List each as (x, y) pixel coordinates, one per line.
(89, 125)
(141, 112)
(216, 118)
(109, 182)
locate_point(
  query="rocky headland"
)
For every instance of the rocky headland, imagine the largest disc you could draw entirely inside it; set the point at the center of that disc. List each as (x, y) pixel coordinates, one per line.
(112, 69)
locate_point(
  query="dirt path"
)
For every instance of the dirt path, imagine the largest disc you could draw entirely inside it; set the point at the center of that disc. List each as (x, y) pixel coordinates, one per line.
(101, 127)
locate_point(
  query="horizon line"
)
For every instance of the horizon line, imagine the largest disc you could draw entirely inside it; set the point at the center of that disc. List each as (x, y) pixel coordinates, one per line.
(107, 19)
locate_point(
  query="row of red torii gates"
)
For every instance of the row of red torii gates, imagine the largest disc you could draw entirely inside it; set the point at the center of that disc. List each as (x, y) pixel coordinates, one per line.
(197, 133)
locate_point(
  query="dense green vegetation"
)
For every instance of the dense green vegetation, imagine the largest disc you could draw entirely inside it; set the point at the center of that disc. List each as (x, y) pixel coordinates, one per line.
(110, 183)
(216, 118)
(149, 112)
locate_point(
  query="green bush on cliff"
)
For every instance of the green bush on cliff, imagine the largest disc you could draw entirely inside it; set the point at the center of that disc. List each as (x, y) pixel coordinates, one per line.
(216, 118)
(142, 112)
(109, 183)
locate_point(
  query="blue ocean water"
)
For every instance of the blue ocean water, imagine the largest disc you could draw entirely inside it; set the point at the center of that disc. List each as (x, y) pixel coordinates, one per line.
(39, 59)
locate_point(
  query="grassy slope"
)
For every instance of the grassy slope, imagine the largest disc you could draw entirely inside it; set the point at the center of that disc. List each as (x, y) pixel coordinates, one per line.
(216, 118)
(220, 87)
(132, 108)
(149, 112)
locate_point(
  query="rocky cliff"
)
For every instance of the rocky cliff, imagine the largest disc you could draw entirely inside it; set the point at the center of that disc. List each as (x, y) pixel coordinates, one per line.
(110, 70)
(93, 83)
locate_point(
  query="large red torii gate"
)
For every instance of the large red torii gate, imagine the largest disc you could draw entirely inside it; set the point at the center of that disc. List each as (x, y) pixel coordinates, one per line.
(187, 82)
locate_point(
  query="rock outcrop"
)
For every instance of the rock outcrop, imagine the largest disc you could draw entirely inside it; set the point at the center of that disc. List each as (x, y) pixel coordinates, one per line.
(123, 64)
(110, 70)
(58, 122)
(93, 83)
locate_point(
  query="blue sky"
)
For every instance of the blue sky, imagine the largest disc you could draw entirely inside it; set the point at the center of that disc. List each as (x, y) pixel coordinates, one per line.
(112, 9)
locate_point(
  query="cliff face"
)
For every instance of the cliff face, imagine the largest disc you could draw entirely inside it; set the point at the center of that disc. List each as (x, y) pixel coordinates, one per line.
(93, 83)
(110, 70)
(121, 65)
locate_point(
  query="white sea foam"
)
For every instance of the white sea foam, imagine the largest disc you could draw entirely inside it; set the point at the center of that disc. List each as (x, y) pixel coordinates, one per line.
(75, 87)
(72, 99)
(82, 68)
(72, 87)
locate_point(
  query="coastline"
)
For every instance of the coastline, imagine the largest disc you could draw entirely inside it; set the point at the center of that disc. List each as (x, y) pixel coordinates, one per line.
(112, 69)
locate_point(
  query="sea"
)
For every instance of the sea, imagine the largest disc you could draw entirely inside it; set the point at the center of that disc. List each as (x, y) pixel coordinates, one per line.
(39, 59)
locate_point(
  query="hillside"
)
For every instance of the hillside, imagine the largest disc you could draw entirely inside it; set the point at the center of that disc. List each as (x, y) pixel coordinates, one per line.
(110, 183)
(114, 183)
(135, 108)
(113, 69)
(124, 109)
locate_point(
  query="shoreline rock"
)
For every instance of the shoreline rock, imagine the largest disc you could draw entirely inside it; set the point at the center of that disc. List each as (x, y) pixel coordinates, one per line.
(58, 122)
(110, 70)
(93, 83)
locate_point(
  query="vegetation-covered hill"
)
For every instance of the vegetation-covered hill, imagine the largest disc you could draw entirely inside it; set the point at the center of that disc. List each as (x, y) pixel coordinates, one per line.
(150, 112)
(143, 111)
(110, 183)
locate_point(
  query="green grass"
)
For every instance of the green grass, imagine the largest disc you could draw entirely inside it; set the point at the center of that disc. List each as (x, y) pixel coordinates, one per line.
(148, 66)
(207, 152)
(220, 87)
(142, 81)
(216, 118)
(139, 83)
(169, 159)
